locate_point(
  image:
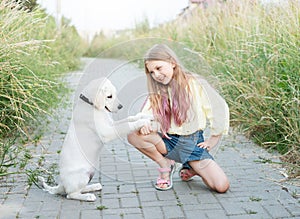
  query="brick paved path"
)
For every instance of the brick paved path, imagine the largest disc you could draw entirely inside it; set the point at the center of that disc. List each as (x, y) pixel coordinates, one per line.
(127, 175)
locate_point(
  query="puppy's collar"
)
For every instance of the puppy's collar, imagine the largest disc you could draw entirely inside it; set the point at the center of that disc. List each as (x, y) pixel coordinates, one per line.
(85, 99)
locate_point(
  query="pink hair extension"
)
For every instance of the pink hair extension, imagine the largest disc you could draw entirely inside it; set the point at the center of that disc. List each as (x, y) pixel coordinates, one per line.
(180, 105)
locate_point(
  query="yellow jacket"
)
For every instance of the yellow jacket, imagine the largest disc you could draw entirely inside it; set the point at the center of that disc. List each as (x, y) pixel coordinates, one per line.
(206, 104)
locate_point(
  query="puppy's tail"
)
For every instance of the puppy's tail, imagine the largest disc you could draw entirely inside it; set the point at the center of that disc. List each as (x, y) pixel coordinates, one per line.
(59, 189)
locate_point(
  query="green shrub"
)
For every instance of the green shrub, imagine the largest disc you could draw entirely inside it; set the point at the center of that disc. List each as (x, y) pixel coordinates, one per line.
(33, 57)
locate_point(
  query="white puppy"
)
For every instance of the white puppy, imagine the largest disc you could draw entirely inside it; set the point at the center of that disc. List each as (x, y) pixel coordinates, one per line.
(90, 127)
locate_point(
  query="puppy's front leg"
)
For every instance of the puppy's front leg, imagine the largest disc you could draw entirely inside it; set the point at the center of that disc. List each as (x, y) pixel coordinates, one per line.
(120, 129)
(123, 129)
(134, 118)
(155, 126)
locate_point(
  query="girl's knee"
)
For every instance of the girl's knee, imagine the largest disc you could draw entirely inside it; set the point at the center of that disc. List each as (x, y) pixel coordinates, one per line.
(137, 139)
(132, 138)
(222, 186)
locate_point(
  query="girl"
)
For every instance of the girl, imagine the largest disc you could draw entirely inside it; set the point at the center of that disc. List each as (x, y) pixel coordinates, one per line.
(181, 102)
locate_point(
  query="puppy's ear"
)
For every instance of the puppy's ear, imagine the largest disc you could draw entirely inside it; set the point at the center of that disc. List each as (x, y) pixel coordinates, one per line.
(99, 100)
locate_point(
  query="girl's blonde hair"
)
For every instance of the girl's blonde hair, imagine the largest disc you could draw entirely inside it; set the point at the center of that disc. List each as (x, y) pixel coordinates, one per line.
(159, 94)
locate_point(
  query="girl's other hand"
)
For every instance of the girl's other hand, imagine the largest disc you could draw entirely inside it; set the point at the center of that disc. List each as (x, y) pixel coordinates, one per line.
(211, 142)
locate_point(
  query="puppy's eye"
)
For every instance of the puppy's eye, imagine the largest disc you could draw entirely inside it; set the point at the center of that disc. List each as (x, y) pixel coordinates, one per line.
(109, 97)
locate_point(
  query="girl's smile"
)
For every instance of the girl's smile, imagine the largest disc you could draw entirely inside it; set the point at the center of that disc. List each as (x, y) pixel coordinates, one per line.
(161, 71)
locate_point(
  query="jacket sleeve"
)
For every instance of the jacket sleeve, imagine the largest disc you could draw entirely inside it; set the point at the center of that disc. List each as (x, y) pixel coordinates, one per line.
(215, 108)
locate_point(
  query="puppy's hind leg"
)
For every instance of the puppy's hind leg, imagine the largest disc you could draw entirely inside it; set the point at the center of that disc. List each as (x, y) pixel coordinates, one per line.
(86, 196)
(77, 184)
(82, 197)
(92, 188)
(59, 189)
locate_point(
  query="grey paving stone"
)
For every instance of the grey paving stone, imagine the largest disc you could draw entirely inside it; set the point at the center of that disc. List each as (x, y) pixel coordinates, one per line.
(233, 208)
(148, 196)
(213, 214)
(132, 216)
(201, 206)
(195, 213)
(90, 214)
(277, 211)
(9, 210)
(188, 199)
(245, 216)
(68, 204)
(166, 195)
(152, 212)
(49, 205)
(112, 216)
(130, 202)
(173, 211)
(128, 188)
(34, 206)
(111, 202)
(121, 211)
(69, 213)
(207, 198)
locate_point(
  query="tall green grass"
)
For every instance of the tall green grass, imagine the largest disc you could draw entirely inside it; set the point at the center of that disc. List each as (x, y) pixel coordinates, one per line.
(33, 57)
(253, 51)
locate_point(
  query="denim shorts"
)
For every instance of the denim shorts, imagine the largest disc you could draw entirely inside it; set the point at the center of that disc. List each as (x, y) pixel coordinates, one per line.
(183, 148)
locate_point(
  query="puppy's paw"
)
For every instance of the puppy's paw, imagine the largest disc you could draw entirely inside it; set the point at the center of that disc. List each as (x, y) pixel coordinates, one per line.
(90, 197)
(97, 187)
(155, 126)
(41, 179)
(142, 122)
(41, 182)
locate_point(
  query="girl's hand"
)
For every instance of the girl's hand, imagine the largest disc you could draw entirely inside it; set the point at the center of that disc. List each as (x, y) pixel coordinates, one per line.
(210, 142)
(146, 129)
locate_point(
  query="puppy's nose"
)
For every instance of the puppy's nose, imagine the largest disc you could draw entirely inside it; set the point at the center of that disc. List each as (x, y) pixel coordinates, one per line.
(120, 106)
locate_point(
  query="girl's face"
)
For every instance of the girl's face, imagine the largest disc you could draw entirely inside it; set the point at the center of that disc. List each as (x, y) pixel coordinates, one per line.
(161, 71)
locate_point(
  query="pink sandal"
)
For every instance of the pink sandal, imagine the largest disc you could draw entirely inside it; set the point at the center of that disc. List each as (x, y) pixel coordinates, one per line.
(185, 174)
(168, 182)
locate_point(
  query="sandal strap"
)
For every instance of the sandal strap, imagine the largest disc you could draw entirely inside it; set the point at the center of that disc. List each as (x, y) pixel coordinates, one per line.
(166, 169)
(162, 181)
(168, 182)
(186, 172)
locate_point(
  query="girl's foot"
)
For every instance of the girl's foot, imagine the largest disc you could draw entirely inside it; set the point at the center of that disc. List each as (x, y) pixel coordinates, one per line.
(186, 174)
(165, 179)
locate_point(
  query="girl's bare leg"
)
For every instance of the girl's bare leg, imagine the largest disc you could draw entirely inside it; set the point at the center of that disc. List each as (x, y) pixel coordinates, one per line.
(212, 174)
(153, 147)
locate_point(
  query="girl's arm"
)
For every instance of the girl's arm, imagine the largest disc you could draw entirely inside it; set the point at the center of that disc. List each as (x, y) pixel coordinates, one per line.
(217, 112)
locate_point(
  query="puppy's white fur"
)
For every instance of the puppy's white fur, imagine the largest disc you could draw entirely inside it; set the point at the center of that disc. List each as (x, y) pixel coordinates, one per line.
(90, 127)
